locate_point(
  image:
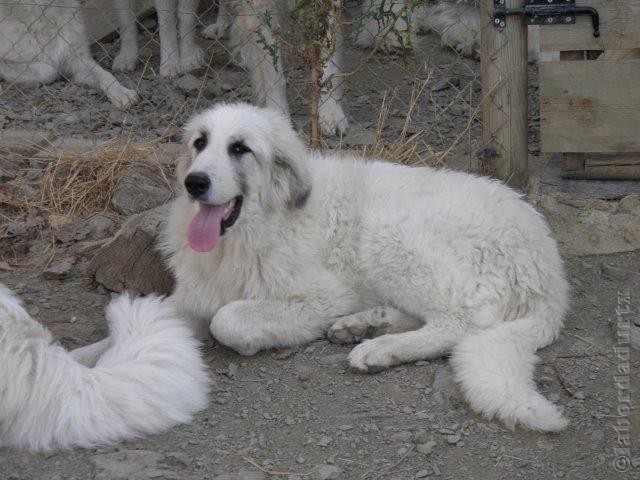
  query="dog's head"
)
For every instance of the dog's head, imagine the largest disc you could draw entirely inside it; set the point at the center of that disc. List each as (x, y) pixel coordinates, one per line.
(240, 155)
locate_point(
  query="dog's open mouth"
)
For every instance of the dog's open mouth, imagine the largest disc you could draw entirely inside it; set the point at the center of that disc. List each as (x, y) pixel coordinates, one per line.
(211, 222)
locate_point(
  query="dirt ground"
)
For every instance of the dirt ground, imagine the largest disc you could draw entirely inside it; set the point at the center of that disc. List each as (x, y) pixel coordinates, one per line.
(287, 413)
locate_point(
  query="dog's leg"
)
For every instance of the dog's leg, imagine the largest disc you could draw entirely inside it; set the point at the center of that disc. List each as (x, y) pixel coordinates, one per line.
(127, 59)
(249, 326)
(332, 118)
(89, 354)
(86, 71)
(433, 340)
(31, 74)
(260, 53)
(372, 323)
(220, 28)
(169, 52)
(190, 53)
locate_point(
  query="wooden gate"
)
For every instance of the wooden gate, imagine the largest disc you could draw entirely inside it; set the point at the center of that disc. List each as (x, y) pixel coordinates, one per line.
(590, 99)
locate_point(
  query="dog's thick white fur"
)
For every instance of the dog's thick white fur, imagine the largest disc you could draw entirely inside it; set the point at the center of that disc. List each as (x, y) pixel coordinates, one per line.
(325, 242)
(253, 42)
(150, 377)
(179, 52)
(41, 42)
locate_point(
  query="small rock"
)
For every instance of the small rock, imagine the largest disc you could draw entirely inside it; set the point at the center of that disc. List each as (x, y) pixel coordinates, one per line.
(326, 472)
(426, 448)
(453, 438)
(423, 473)
(325, 440)
(403, 436)
(420, 436)
(446, 83)
(59, 269)
(139, 189)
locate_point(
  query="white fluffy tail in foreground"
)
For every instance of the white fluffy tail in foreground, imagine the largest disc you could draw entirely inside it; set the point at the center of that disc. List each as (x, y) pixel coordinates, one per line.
(151, 378)
(495, 370)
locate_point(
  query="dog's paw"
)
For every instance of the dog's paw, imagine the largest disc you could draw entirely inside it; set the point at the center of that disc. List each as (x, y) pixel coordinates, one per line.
(351, 329)
(333, 121)
(375, 355)
(192, 59)
(125, 61)
(171, 67)
(228, 328)
(216, 31)
(120, 96)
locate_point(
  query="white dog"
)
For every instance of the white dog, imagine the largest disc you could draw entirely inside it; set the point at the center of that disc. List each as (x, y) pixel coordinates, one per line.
(272, 245)
(179, 52)
(258, 50)
(40, 43)
(150, 378)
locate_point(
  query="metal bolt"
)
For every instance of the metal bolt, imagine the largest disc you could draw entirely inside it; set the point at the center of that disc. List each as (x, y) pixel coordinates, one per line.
(497, 21)
(502, 24)
(568, 19)
(501, 2)
(549, 19)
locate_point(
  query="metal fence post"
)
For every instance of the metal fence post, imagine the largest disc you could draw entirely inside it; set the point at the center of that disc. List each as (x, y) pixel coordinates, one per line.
(504, 94)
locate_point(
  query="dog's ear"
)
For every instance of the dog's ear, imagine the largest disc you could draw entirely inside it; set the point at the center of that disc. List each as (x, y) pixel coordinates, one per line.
(291, 177)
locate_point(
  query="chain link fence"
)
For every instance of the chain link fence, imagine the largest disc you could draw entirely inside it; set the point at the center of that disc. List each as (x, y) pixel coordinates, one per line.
(386, 61)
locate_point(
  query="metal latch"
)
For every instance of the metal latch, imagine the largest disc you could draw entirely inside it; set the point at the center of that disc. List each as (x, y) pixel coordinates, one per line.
(546, 12)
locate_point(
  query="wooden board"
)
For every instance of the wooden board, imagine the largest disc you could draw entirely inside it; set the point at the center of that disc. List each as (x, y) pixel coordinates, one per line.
(590, 106)
(619, 27)
(101, 17)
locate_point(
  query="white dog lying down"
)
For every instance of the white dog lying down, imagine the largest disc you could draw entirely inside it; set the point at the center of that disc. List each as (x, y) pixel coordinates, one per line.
(150, 378)
(40, 43)
(272, 245)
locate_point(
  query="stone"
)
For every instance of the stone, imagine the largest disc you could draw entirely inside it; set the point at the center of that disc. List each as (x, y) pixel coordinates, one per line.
(324, 441)
(20, 144)
(134, 465)
(130, 260)
(326, 472)
(59, 269)
(426, 448)
(140, 188)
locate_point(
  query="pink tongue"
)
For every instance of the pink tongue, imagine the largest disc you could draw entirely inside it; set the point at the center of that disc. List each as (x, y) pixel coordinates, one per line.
(204, 231)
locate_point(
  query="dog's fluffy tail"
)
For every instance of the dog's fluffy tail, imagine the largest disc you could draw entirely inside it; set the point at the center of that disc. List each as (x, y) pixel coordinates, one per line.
(495, 370)
(150, 379)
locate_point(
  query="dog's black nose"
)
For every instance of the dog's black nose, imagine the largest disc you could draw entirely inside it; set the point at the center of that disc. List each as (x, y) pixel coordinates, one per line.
(197, 184)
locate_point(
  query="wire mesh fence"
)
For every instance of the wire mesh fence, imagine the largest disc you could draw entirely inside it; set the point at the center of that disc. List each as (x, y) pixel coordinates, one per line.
(107, 68)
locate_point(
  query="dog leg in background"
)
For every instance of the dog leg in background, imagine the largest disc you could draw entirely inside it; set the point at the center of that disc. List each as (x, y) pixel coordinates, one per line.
(169, 51)
(151, 378)
(86, 71)
(260, 53)
(191, 55)
(127, 59)
(248, 326)
(377, 17)
(333, 121)
(219, 29)
(458, 25)
(371, 323)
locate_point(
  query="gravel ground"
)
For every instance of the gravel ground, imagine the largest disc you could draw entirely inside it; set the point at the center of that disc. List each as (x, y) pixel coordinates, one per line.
(286, 413)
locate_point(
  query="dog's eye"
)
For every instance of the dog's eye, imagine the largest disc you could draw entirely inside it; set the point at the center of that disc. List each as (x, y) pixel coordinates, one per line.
(238, 148)
(200, 143)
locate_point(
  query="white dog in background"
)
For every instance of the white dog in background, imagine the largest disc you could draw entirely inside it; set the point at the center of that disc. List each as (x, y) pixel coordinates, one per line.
(40, 43)
(272, 246)
(177, 19)
(254, 43)
(150, 377)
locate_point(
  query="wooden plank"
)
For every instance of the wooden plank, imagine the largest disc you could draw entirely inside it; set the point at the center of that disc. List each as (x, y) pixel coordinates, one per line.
(101, 17)
(504, 95)
(590, 106)
(619, 172)
(619, 28)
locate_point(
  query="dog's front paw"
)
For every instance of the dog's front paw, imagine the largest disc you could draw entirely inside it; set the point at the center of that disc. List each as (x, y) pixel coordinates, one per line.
(229, 328)
(333, 121)
(374, 355)
(120, 96)
(191, 59)
(350, 329)
(170, 67)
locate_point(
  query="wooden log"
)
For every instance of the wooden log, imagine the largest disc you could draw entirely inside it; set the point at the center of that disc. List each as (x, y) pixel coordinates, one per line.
(504, 94)
(131, 261)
